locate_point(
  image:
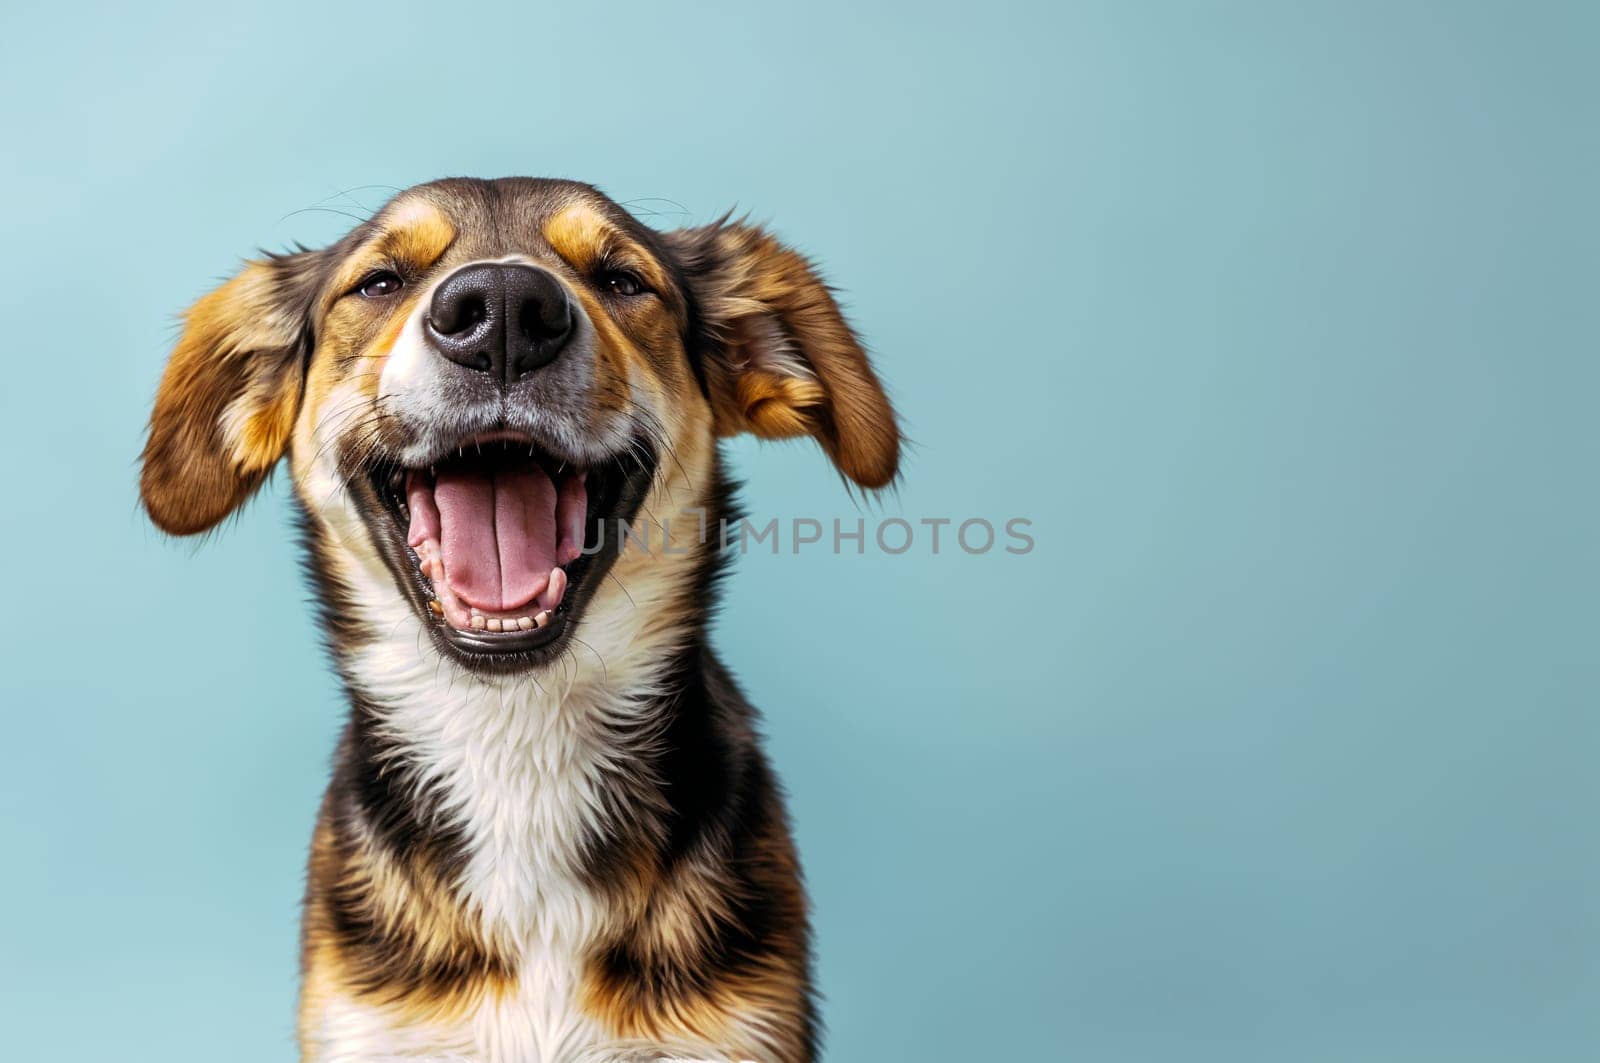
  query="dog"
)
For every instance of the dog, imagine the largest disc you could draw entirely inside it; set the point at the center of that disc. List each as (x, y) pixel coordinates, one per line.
(551, 833)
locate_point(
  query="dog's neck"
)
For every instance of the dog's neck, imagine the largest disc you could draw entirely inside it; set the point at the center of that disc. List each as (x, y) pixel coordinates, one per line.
(520, 783)
(519, 768)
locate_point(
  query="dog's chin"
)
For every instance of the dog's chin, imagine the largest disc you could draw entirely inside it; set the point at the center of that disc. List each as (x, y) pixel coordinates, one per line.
(546, 527)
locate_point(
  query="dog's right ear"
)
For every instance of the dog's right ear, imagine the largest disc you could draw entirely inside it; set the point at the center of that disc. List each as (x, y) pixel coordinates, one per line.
(227, 401)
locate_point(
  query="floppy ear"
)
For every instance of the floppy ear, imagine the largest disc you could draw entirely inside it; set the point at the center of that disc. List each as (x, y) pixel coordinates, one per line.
(780, 360)
(228, 398)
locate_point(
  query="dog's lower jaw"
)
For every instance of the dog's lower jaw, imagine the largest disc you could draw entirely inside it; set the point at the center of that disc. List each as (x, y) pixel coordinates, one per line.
(554, 866)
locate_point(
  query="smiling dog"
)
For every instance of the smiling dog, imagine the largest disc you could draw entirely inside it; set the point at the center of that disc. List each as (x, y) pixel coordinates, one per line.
(551, 832)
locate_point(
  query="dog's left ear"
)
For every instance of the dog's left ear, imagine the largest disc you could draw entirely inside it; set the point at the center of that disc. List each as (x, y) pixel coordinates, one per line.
(228, 398)
(781, 361)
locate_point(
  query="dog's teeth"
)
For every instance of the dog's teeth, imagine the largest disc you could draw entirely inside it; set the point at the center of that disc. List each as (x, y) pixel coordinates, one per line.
(542, 619)
(495, 624)
(436, 607)
(476, 611)
(478, 623)
(555, 589)
(525, 623)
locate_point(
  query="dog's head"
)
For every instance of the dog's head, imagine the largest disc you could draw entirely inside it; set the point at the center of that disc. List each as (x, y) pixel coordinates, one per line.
(474, 386)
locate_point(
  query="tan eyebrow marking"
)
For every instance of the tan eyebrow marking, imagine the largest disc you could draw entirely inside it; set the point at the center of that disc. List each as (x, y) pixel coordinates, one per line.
(417, 236)
(581, 235)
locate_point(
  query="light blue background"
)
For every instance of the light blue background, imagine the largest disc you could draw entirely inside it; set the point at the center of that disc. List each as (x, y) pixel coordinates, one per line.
(1276, 319)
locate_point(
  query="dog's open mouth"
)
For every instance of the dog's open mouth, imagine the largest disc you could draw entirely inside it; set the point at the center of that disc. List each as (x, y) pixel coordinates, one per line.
(502, 538)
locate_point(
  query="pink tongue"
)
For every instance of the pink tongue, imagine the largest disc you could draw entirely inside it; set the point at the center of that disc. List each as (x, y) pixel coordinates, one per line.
(497, 534)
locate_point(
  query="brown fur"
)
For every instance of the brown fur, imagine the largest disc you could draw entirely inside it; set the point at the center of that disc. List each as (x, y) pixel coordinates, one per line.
(241, 344)
(670, 971)
(386, 926)
(763, 298)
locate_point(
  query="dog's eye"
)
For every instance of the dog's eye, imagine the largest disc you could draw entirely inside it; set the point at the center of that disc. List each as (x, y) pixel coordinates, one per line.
(380, 284)
(621, 282)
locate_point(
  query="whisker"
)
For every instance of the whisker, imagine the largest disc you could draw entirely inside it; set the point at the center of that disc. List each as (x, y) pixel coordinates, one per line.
(612, 576)
(322, 210)
(605, 673)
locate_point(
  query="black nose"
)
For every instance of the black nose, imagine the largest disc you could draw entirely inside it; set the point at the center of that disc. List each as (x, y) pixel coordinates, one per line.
(501, 318)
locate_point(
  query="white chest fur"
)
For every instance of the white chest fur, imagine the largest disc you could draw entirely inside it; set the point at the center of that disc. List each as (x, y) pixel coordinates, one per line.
(520, 768)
